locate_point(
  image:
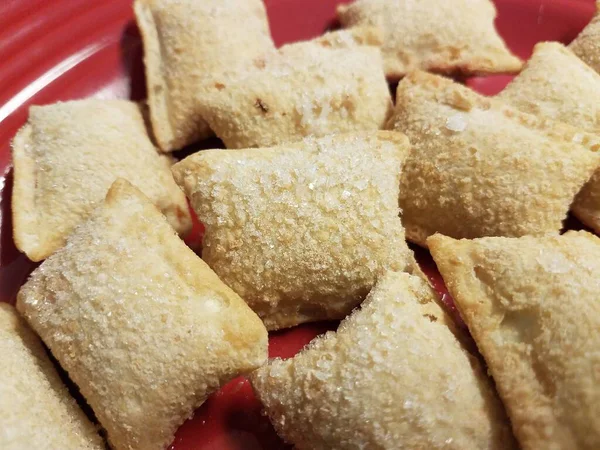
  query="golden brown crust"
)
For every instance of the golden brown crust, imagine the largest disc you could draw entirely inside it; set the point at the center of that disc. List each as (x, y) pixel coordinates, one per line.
(36, 410)
(557, 84)
(480, 167)
(587, 44)
(305, 89)
(434, 35)
(66, 158)
(532, 307)
(301, 232)
(394, 373)
(141, 324)
(186, 42)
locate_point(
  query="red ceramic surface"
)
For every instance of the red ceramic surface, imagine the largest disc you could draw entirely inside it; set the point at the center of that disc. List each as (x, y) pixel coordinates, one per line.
(68, 49)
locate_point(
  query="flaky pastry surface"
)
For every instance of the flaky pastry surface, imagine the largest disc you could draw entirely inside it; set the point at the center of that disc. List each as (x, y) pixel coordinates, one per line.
(313, 88)
(557, 84)
(65, 159)
(393, 375)
(141, 324)
(36, 410)
(533, 308)
(301, 232)
(481, 168)
(434, 35)
(187, 42)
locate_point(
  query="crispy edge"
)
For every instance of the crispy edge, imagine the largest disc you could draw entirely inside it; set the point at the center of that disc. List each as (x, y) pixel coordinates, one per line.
(26, 232)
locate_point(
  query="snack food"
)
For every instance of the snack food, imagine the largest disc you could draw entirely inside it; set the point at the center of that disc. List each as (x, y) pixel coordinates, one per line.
(37, 411)
(532, 307)
(141, 324)
(305, 89)
(301, 232)
(586, 44)
(65, 159)
(395, 374)
(186, 43)
(435, 35)
(481, 168)
(571, 95)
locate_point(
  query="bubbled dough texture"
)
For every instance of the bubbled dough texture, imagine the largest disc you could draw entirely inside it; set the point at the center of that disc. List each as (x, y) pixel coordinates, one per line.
(305, 89)
(532, 306)
(587, 44)
(301, 232)
(558, 85)
(481, 168)
(436, 35)
(67, 156)
(36, 409)
(141, 324)
(186, 43)
(393, 373)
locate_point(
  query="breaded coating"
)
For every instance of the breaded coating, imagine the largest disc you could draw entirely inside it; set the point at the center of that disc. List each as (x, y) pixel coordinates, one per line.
(557, 84)
(187, 42)
(532, 305)
(587, 44)
(481, 168)
(65, 159)
(301, 232)
(394, 375)
(36, 410)
(443, 36)
(141, 324)
(305, 89)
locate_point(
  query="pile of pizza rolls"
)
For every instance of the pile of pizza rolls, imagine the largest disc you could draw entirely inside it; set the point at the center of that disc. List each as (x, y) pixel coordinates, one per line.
(307, 212)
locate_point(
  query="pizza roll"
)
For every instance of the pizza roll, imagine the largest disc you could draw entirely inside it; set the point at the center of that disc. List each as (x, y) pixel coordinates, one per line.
(532, 306)
(36, 411)
(305, 89)
(65, 159)
(435, 35)
(302, 231)
(586, 44)
(571, 95)
(141, 324)
(481, 168)
(187, 42)
(394, 375)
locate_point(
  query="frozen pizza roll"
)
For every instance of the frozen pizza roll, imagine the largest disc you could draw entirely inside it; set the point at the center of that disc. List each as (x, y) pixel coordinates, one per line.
(301, 232)
(312, 88)
(435, 35)
(480, 167)
(65, 159)
(394, 375)
(36, 410)
(186, 42)
(141, 324)
(587, 44)
(557, 84)
(533, 308)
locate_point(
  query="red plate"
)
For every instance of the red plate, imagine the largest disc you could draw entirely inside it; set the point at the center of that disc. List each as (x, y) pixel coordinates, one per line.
(69, 49)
